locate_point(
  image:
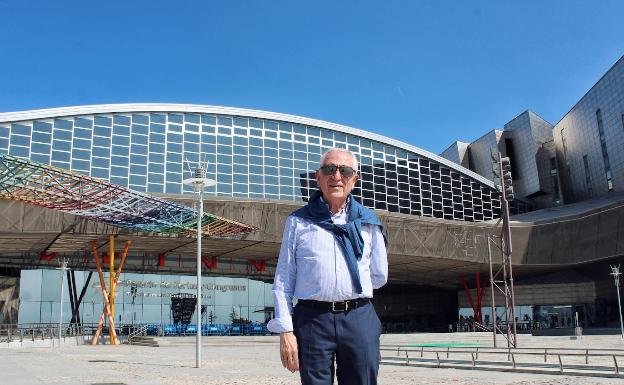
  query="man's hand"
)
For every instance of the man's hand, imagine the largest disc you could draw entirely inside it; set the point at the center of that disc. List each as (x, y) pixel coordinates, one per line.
(289, 351)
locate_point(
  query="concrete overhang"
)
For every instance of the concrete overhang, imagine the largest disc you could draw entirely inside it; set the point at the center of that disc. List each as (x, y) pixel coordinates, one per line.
(422, 250)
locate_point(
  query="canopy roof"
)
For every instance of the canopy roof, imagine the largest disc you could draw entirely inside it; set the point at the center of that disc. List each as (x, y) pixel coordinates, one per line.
(60, 189)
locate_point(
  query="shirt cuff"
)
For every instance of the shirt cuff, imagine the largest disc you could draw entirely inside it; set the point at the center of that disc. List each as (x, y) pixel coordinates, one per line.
(280, 325)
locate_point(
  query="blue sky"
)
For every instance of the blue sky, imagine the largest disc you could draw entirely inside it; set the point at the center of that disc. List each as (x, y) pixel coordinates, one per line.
(424, 72)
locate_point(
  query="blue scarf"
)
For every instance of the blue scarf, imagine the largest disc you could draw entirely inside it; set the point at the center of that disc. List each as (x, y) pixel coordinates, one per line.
(349, 235)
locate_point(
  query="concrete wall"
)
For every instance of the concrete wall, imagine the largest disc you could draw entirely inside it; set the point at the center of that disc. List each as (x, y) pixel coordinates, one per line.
(480, 152)
(527, 131)
(458, 153)
(548, 176)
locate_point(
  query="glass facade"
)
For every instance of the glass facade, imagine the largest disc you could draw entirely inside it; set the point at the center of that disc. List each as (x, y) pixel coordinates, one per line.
(249, 158)
(141, 298)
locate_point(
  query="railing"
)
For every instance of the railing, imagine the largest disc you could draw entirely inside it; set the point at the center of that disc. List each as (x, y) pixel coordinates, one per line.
(474, 326)
(187, 329)
(482, 328)
(141, 331)
(571, 361)
(215, 329)
(43, 331)
(37, 331)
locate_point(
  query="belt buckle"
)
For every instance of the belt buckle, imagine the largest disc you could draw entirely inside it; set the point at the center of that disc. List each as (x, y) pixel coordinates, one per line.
(337, 310)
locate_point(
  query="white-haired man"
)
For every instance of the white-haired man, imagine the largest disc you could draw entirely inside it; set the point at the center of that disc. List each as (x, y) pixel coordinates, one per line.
(333, 255)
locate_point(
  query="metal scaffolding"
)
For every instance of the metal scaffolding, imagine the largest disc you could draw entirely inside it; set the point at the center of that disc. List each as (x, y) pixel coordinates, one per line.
(501, 278)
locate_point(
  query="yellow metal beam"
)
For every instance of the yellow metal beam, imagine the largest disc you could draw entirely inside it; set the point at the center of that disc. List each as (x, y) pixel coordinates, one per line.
(106, 311)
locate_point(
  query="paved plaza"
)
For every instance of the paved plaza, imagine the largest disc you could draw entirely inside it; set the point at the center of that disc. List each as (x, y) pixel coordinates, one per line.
(255, 360)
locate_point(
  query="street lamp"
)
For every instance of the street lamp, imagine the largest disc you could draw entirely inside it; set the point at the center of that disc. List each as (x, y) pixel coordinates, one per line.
(199, 181)
(615, 272)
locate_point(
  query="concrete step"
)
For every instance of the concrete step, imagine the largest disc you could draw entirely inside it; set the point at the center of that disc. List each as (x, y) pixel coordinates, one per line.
(152, 344)
(142, 341)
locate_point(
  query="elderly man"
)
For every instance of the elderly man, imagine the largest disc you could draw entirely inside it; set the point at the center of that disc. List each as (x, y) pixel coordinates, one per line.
(333, 255)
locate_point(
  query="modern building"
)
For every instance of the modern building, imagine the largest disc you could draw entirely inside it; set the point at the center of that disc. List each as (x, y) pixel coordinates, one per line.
(579, 158)
(439, 210)
(578, 161)
(589, 140)
(252, 154)
(142, 298)
(528, 142)
(255, 157)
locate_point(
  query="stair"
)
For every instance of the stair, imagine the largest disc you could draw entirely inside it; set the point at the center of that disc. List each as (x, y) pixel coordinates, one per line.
(138, 337)
(142, 341)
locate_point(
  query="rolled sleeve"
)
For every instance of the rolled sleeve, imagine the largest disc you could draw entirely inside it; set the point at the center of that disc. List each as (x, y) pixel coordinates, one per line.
(379, 259)
(284, 282)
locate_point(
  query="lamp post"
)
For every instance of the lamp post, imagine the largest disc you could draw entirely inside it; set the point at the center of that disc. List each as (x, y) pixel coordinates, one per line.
(199, 181)
(615, 272)
(63, 268)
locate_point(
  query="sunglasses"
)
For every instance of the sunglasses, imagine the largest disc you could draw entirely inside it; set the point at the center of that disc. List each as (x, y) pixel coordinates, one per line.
(330, 169)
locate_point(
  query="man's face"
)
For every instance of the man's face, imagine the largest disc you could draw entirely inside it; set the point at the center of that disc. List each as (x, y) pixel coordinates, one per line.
(336, 187)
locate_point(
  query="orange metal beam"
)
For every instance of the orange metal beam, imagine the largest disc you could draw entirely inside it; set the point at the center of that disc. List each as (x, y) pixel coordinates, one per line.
(107, 311)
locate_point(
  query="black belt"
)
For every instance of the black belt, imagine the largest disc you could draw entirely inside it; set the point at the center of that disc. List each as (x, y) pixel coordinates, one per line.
(336, 307)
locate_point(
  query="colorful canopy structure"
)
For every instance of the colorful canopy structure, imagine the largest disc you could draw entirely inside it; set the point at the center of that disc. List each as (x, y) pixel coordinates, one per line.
(60, 189)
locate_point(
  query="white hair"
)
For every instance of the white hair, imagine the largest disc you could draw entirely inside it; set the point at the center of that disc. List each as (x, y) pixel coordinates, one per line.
(336, 149)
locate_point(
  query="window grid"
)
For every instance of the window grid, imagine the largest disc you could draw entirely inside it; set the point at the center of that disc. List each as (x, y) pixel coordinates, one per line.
(249, 158)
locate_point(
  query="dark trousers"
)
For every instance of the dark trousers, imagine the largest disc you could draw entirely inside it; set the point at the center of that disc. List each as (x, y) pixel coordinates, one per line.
(351, 337)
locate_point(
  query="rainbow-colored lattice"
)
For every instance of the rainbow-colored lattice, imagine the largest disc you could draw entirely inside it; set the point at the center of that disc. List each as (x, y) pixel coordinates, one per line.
(60, 189)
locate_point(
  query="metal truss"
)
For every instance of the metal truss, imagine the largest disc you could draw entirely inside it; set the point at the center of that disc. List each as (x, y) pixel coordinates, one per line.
(501, 279)
(501, 282)
(64, 190)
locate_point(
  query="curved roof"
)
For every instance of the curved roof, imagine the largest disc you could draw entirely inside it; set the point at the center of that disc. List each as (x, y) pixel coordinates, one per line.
(197, 108)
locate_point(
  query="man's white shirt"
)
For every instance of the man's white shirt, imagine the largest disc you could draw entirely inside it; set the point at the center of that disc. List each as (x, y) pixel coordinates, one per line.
(311, 265)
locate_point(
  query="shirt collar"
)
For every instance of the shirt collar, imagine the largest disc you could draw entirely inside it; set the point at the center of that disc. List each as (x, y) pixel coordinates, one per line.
(344, 210)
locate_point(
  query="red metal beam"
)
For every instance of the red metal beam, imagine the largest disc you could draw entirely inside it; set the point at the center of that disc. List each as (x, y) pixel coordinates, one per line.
(210, 265)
